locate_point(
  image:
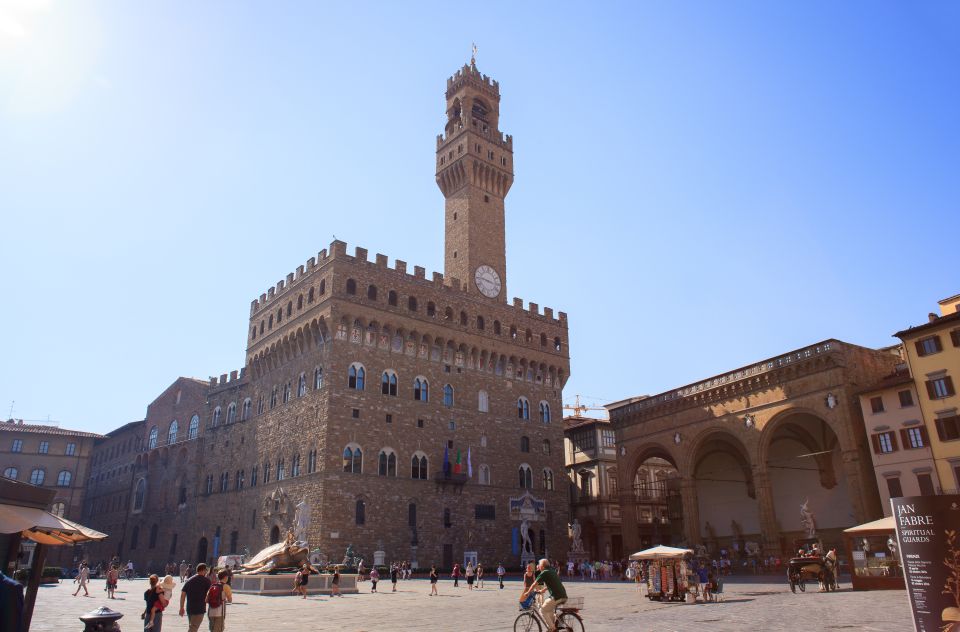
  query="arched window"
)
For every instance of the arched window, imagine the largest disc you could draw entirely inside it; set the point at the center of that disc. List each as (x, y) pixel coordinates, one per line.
(295, 466)
(58, 509)
(232, 412)
(273, 398)
(217, 414)
(483, 402)
(286, 392)
(239, 479)
(543, 340)
(526, 476)
(289, 307)
(246, 410)
(387, 463)
(421, 389)
(548, 479)
(172, 432)
(412, 303)
(418, 466)
(300, 302)
(351, 286)
(356, 375)
(480, 323)
(194, 427)
(557, 346)
(361, 512)
(431, 309)
(484, 475)
(352, 459)
(64, 478)
(523, 408)
(463, 318)
(392, 298)
(11, 472)
(545, 412)
(513, 332)
(448, 313)
(323, 287)
(372, 292)
(546, 446)
(302, 385)
(310, 296)
(152, 440)
(388, 382)
(448, 396)
(139, 495)
(496, 327)
(317, 378)
(524, 444)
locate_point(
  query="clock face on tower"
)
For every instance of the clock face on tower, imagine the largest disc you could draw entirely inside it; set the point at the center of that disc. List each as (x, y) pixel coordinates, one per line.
(488, 281)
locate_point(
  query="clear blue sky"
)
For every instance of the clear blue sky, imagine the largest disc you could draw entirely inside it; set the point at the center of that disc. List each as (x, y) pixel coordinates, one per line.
(699, 185)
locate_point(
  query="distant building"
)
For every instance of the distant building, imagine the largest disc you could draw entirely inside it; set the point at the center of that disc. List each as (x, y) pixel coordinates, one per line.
(51, 457)
(933, 354)
(899, 438)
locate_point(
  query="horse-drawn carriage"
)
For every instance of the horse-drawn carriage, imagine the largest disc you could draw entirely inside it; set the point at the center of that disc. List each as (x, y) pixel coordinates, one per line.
(802, 569)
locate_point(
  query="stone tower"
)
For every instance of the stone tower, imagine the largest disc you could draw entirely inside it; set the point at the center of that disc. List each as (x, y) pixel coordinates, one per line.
(474, 172)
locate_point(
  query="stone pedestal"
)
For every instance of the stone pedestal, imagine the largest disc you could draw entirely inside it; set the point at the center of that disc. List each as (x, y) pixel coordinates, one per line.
(527, 557)
(282, 584)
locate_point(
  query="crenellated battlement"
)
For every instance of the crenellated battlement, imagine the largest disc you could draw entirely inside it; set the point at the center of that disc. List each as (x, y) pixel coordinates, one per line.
(234, 378)
(436, 281)
(495, 136)
(469, 73)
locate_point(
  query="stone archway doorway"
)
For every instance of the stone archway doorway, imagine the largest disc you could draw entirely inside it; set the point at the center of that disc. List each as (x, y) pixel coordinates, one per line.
(275, 534)
(202, 550)
(726, 496)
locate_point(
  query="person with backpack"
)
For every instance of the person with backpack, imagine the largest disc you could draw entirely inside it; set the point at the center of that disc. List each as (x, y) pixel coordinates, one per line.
(218, 596)
(374, 578)
(501, 571)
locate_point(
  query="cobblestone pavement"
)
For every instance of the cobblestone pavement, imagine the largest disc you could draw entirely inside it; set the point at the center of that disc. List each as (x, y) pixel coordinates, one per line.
(751, 604)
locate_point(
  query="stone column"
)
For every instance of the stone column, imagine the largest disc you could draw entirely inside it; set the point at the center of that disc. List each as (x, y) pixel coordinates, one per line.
(767, 511)
(691, 511)
(628, 522)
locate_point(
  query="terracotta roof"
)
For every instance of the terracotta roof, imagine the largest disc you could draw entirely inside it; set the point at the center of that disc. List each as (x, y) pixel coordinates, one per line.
(570, 423)
(15, 426)
(938, 322)
(897, 379)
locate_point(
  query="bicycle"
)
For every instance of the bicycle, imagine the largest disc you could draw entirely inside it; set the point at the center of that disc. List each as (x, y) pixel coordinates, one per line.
(568, 618)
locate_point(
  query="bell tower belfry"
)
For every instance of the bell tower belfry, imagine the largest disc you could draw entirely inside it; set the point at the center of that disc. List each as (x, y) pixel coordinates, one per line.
(474, 172)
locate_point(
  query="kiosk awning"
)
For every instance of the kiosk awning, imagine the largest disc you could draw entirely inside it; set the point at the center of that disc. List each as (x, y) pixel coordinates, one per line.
(44, 527)
(883, 524)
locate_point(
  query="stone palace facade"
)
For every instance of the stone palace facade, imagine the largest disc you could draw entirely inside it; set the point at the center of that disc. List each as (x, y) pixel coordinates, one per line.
(415, 415)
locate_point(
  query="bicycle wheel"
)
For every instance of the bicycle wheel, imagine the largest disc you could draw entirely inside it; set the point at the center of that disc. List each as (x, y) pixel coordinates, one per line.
(570, 622)
(526, 622)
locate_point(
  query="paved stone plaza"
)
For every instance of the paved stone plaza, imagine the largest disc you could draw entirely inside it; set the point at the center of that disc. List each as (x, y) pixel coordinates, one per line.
(761, 604)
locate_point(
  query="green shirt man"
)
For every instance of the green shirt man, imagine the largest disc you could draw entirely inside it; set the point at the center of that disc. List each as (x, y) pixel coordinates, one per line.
(549, 578)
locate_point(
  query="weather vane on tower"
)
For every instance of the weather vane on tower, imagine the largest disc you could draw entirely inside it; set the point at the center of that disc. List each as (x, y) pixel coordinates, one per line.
(473, 54)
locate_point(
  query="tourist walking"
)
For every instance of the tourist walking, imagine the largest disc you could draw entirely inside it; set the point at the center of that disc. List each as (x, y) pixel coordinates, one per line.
(153, 597)
(470, 575)
(130, 573)
(184, 571)
(335, 583)
(501, 571)
(434, 576)
(479, 575)
(193, 595)
(300, 581)
(374, 578)
(83, 576)
(218, 596)
(456, 575)
(113, 576)
(394, 576)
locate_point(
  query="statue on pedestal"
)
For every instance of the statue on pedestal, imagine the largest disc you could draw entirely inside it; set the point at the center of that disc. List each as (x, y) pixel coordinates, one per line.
(807, 520)
(301, 522)
(527, 545)
(574, 532)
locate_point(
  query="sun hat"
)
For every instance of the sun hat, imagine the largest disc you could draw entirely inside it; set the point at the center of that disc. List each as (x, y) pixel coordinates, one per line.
(168, 582)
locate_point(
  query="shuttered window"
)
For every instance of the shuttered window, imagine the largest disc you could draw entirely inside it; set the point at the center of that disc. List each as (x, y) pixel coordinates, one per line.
(940, 387)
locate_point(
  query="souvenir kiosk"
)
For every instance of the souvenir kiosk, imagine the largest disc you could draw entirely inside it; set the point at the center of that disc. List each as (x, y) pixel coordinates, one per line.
(667, 570)
(873, 556)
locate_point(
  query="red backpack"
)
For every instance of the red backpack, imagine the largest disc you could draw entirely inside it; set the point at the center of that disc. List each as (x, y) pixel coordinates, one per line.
(215, 595)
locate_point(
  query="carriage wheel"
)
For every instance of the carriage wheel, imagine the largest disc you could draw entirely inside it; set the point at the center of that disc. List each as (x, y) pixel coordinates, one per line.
(802, 586)
(793, 586)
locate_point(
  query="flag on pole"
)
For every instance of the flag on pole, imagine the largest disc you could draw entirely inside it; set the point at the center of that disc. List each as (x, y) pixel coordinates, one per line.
(469, 464)
(456, 467)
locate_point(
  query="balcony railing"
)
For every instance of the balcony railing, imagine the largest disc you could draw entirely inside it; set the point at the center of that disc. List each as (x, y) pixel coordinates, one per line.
(651, 491)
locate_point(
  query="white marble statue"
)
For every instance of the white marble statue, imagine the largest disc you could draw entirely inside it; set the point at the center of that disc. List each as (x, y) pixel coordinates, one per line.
(527, 547)
(574, 531)
(301, 521)
(807, 520)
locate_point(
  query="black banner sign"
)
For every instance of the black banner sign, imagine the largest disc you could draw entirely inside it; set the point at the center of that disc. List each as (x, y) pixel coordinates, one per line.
(928, 536)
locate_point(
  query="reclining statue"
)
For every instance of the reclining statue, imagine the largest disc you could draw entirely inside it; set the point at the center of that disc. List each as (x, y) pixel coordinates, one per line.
(285, 555)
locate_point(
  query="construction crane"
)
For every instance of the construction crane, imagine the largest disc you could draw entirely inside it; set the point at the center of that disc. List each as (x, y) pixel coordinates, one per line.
(578, 409)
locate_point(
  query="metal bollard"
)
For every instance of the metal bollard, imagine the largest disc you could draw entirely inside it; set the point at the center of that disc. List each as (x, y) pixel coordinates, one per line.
(102, 619)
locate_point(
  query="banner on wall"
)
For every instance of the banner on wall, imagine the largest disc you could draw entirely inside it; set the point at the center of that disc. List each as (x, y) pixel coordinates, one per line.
(928, 538)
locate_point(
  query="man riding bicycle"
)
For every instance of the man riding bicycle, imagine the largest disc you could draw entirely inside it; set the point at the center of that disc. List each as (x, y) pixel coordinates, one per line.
(549, 580)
